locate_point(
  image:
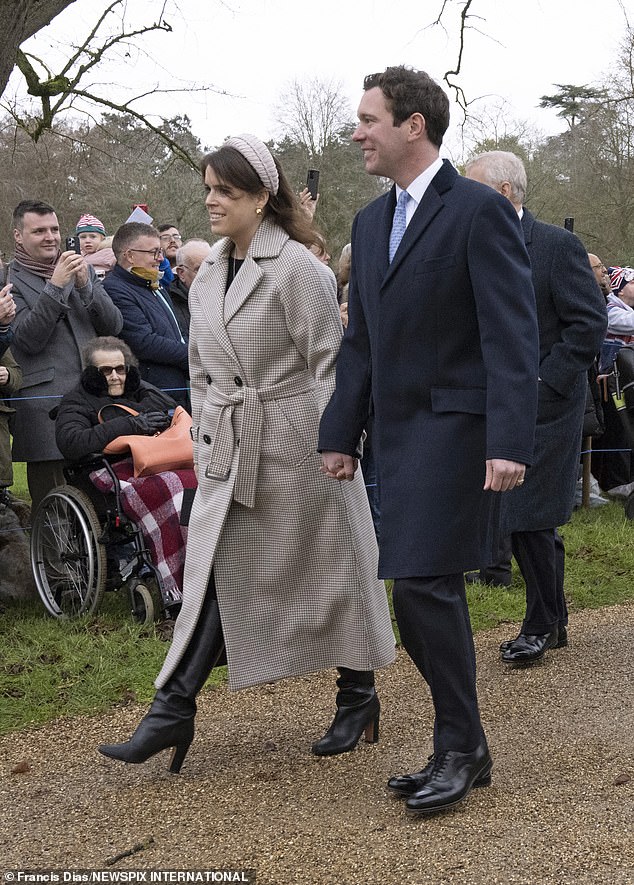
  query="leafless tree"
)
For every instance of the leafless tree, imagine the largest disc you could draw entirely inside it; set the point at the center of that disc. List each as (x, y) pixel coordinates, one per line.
(312, 113)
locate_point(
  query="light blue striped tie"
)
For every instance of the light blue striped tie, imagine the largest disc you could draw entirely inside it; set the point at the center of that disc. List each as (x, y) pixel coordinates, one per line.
(399, 223)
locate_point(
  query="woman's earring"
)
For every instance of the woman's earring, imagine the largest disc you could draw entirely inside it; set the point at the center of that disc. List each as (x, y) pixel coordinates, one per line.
(258, 210)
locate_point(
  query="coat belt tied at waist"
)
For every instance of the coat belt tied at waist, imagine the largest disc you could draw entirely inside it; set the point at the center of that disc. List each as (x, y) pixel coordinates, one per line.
(223, 444)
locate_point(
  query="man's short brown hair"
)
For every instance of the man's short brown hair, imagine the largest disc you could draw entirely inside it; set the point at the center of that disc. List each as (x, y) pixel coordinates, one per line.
(408, 92)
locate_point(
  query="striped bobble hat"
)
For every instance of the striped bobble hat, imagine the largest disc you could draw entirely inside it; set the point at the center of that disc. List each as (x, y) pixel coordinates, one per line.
(89, 224)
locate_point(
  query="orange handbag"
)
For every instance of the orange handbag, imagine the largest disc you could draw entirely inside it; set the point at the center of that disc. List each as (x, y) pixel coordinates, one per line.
(170, 450)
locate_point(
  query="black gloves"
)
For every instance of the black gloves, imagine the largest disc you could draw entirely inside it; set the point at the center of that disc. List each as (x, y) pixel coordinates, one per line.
(149, 423)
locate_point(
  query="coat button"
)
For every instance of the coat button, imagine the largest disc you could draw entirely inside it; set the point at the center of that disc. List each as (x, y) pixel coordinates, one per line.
(206, 438)
(208, 379)
(238, 381)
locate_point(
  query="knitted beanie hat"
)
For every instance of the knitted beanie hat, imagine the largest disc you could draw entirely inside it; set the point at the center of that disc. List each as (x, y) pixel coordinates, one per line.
(620, 277)
(89, 224)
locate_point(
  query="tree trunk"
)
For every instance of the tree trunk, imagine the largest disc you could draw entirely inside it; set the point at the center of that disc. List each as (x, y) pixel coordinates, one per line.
(19, 20)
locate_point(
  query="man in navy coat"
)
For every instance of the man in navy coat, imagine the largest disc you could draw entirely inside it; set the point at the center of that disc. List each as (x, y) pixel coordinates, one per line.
(150, 326)
(572, 320)
(442, 339)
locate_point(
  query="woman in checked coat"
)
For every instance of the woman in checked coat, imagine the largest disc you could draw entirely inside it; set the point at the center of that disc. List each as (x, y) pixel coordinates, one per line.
(280, 561)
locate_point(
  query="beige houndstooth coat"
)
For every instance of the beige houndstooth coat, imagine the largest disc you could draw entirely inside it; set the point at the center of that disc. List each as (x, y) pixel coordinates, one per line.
(293, 552)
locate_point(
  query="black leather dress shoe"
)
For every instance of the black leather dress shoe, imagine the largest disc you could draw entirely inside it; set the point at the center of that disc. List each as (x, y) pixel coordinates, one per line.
(450, 780)
(562, 640)
(528, 648)
(406, 785)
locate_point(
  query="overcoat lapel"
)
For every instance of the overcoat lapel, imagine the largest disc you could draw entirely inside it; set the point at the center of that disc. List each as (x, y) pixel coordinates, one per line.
(220, 307)
(212, 303)
(242, 287)
(428, 208)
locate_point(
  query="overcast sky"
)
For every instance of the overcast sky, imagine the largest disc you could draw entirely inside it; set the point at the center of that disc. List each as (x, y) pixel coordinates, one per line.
(516, 50)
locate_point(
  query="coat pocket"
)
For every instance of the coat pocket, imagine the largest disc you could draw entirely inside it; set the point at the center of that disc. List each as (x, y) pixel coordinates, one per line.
(291, 431)
(472, 400)
(43, 376)
(431, 265)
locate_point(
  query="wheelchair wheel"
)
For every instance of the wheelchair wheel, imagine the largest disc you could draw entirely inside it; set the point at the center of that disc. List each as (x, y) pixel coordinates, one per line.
(68, 561)
(142, 604)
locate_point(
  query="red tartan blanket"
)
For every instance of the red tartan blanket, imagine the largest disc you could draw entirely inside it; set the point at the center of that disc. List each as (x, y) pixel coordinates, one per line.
(154, 504)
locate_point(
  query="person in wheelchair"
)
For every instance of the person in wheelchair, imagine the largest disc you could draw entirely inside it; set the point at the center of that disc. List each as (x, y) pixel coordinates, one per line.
(89, 417)
(85, 423)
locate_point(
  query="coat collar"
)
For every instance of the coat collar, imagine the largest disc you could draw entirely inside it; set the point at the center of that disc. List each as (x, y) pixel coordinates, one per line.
(268, 241)
(528, 223)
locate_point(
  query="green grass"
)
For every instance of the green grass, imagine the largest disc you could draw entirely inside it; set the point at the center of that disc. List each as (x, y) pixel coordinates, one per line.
(20, 488)
(51, 668)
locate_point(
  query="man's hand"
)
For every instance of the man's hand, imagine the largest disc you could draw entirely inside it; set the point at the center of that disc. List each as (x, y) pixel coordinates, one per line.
(338, 466)
(4, 375)
(70, 266)
(501, 476)
(7, 305)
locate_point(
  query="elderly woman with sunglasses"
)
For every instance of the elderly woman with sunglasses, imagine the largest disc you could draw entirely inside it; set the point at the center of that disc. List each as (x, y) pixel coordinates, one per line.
(111, 375)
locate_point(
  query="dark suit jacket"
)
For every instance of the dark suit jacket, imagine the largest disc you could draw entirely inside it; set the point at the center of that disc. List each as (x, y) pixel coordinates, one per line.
(572, 319)
(444, 341)
(152, 333)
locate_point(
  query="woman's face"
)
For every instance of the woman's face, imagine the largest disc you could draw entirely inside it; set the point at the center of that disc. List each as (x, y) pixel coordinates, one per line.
(111, 364)
(232, 212)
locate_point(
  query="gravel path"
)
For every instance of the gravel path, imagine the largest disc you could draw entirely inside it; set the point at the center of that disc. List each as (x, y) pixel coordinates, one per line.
(252, 796)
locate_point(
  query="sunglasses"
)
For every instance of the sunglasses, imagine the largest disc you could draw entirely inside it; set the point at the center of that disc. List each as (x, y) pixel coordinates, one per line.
(108, 370)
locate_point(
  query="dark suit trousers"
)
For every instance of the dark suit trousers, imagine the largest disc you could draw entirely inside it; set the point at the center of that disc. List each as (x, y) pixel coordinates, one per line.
(433, 620)
(540, 556)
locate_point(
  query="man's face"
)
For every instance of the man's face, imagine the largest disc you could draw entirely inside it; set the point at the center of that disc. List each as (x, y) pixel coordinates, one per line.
(194, 257)
(39, 235)
(601, 274)
(383, 144)
(145, 252)
(89, 242)
(170, 241)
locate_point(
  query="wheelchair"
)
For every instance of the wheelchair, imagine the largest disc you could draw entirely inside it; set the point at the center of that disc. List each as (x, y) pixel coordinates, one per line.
(83, 544)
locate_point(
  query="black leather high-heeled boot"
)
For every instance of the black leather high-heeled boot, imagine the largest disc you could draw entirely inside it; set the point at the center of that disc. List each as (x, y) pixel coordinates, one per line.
(170, 720)
(358, 710)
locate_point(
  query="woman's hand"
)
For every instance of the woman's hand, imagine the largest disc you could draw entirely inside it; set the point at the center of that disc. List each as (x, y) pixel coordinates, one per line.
(150, 423)
(336, 465)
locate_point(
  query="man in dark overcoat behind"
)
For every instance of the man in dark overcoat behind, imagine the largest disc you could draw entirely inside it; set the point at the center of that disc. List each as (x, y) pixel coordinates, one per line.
(442, 339)
(572, 319)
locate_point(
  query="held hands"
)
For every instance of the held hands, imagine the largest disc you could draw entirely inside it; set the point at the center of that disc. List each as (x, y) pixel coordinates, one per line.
(150, 423)
(7, 305)
(502, 476)
(70, 266)
(338, 466)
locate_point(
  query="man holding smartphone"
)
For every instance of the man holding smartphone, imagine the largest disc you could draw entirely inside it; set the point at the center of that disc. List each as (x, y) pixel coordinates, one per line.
(59, 306)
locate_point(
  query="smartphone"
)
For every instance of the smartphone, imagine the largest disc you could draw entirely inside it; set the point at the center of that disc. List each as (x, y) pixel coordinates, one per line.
(312, 183)
(72, 245)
